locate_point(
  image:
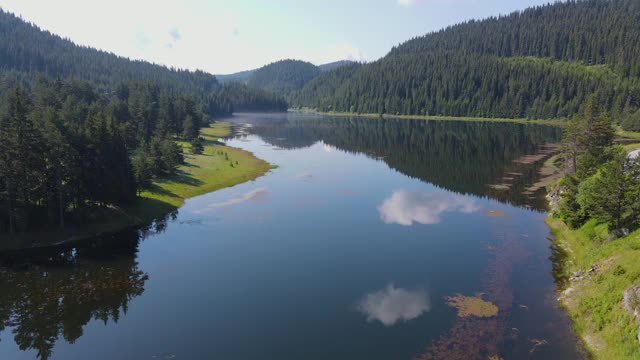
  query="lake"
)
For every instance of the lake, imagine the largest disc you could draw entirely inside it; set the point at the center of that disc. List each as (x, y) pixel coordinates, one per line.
(373, 239)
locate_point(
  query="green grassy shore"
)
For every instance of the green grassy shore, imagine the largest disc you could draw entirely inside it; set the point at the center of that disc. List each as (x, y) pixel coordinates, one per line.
(594, 302)
(218, 167)
(552, 122)
(594, 299)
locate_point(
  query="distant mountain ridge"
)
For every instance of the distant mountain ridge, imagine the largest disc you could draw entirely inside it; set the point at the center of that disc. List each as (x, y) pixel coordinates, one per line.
(334, 65)
(246, 74)
(242, 76)
(284, 76)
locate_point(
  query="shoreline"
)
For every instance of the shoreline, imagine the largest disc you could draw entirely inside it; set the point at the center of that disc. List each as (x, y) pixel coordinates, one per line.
(218, 167)
(592, 274)
(592, 278)
(548, 122)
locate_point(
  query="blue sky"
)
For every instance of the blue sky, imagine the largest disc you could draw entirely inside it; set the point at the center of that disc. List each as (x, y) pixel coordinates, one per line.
(222, 36)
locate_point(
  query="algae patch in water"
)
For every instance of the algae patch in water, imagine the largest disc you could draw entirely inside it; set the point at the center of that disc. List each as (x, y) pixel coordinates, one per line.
(472, 306)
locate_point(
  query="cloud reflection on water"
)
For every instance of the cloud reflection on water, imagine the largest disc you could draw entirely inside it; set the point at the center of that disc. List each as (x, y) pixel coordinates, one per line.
(405, 207)
(305, 176)
(391, 305)
(257, 194)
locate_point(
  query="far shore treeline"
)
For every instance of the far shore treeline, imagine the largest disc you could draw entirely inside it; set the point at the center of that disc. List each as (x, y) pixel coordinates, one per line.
(540, 63)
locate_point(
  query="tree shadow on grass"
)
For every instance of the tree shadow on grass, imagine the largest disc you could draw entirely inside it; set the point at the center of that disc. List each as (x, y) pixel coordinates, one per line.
(191, 165)
(213, 142)
(181, 177)
(155, 189)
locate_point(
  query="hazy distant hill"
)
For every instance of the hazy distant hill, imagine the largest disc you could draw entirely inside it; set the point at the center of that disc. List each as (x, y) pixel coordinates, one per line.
(242, 76)
(282, 76)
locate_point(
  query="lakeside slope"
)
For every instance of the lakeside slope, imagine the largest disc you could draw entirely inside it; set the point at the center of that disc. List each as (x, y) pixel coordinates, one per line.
(593, 277)
(219, 166)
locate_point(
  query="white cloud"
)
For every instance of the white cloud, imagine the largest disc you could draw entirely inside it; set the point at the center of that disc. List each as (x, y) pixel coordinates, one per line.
(175, 34)
(168, 33)
(305, 176)
(205, 36)
(392, 304)
(406, 207)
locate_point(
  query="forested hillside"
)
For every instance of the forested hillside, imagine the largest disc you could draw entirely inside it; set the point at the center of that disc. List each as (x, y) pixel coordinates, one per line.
(24, 48)
(26, 51)
(242, 77)
(334, 65)
(68, 152)
(283, 77)
(245, 76)
(539, 63)
(83, 131)
(246, 98)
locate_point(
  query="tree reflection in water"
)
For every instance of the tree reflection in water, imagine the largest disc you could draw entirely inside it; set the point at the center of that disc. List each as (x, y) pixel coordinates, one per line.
(53, 293)
(465, 157)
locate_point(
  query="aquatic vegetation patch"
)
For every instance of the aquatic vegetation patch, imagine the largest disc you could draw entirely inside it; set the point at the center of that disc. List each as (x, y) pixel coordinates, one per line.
(472, 306)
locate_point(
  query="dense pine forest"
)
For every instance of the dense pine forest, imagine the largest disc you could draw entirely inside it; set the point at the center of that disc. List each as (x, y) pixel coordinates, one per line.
(66, 149)
(247, 98)
(83, 131)
(543, 62)
(283, 77)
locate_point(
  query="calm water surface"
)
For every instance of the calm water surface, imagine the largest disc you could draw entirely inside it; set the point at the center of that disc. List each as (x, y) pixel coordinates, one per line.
(348, 250)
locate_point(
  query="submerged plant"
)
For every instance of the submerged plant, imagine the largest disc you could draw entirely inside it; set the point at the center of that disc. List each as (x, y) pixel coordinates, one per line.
(472, 306)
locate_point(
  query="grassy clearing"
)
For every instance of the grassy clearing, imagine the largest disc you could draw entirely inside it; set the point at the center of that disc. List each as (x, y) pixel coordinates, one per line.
(627, 134)
(594, 302)
(551, 122)
(632, 147)
(628, 138)
(219, 166)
